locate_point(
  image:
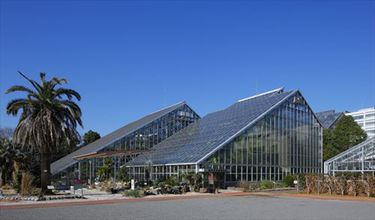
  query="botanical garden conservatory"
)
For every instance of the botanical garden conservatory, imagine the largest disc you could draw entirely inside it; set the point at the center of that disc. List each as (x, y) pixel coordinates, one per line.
(263, 137)
(123, 144)
(359, 158)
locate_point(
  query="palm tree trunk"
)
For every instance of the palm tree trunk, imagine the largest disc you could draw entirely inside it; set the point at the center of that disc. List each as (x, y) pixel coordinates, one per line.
(1, 177)
(45, 165)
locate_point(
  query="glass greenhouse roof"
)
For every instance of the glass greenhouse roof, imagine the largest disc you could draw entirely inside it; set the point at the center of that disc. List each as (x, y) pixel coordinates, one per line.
(103, 142)
(202, 138)
(360, 158)
(328, 118)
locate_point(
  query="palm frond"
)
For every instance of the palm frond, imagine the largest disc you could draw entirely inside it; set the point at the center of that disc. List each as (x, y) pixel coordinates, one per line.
(59, 81)
(34, 83)
(19, 88)
(15, 105)
(43, 78)
(69, 93)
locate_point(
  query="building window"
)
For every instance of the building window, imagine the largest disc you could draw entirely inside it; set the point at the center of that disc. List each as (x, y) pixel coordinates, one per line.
(370, 123)
(357, 117)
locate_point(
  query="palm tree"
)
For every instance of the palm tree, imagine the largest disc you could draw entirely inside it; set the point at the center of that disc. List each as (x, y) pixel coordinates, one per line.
(48, 121)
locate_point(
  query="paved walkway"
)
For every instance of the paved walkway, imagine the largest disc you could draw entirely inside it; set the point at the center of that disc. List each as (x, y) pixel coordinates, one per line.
(220, 207)
(112, 199)
(107, 199)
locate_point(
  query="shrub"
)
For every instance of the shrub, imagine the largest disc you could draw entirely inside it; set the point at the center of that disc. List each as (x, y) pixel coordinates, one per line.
(310, 181)
(288, 181)
(344, 184)
(195, 181)
(171, 181)
(301, 181)
(105, 171)
(369, 185)
(36, 192)
(158, 182)
(245, 185)
(254, 186)
(107, 186)
(122, 175)
(26, 182)
(133, 193)
(329, 182)
(7, 187)
(265, 184)
(161, 184)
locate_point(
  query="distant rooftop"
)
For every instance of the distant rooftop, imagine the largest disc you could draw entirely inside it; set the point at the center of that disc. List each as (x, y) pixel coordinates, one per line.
(328, 118)
(363, 110)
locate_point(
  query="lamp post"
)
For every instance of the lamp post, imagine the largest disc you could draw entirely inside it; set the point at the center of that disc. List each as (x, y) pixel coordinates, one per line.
(90, 172)
(296, 183)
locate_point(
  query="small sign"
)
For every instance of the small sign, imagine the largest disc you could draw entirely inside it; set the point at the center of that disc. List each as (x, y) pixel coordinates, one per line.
(295, 182)
(50, 187)
(132, 184)
(201, 170)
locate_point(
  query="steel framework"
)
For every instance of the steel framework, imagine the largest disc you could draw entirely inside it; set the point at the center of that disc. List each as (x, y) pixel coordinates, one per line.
(360, 158)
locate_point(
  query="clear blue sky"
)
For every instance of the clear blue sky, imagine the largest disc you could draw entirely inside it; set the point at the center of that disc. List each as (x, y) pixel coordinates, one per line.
(130, 58)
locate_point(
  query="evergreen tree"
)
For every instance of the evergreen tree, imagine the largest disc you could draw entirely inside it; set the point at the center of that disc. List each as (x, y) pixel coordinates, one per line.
(90, 137)
(346, 134)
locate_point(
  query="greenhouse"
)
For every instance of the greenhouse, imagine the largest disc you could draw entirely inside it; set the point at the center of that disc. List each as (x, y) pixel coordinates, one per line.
(264, 137)
(360, 158)
(122, 145)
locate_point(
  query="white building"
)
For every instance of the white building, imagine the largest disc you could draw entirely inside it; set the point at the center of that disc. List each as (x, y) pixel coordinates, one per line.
(366, 119)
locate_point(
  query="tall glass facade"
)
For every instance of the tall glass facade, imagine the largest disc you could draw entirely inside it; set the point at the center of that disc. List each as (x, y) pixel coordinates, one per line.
(287, 140)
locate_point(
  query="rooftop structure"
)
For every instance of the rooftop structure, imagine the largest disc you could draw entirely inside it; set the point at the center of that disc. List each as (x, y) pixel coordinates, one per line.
(266, 136)
(329, 118)
(366, 119)
(134, 137)
(360, 158)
